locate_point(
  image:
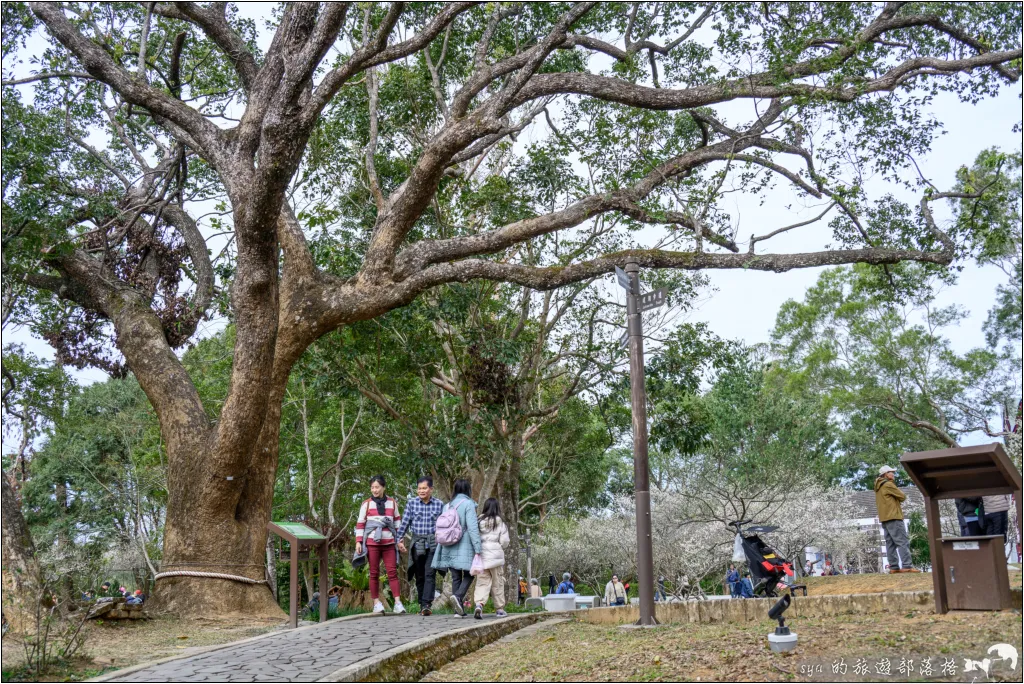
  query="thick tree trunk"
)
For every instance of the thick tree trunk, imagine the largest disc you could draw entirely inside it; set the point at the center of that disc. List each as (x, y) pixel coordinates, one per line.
(22, 577)
(218, 524)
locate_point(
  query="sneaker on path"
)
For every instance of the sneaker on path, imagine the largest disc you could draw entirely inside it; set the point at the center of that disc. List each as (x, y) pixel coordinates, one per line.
(456, 605)
(378, 607)
(399, 608)
(501, 613)
(425, 612)
(478, 612)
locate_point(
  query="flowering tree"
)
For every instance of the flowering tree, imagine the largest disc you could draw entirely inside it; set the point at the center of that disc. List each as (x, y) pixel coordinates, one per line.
(688, 547)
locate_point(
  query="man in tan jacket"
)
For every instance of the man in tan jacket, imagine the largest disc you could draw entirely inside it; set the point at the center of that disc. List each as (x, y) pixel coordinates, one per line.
(890, 513)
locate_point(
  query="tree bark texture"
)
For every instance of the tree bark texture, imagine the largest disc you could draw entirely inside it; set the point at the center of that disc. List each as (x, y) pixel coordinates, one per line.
(22, 577)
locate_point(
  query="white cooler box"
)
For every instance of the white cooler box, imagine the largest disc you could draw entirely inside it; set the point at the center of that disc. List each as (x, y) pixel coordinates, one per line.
(559, 602)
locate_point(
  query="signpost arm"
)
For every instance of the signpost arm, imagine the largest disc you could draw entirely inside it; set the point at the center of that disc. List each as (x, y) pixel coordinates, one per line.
(324, 576)
(931, 506)
(641, 477)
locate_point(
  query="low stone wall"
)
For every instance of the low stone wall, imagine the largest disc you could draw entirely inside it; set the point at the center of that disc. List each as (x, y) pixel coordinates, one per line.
(117, 609)
(750, 610)
(410, 662)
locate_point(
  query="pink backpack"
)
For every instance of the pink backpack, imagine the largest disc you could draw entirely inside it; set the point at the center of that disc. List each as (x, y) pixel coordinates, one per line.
(448, 529)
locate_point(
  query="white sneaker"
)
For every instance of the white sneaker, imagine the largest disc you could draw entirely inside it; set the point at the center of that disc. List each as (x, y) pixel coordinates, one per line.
(378, 607)
(399, 608)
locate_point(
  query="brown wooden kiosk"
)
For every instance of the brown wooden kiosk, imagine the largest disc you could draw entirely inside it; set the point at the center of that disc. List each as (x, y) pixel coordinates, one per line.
(961, 472)
(301, 539)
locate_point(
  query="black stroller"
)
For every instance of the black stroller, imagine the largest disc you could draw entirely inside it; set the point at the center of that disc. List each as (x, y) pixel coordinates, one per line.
(767, 568)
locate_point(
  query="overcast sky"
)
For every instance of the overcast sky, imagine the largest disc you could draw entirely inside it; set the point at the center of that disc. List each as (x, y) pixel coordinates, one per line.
(745, 303)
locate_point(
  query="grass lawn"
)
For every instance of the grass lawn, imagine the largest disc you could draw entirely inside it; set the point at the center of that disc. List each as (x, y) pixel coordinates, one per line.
(874, 584)
(575, 651)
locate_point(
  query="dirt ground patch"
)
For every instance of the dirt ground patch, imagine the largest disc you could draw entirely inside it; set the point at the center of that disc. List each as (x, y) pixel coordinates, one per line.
(575, 651)
(876, 584)
(119, 644)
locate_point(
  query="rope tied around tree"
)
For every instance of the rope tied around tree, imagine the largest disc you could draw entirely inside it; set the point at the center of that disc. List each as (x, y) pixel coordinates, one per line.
(210, 575)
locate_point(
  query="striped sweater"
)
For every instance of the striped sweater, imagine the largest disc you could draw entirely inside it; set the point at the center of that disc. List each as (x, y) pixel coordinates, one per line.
(368, 511)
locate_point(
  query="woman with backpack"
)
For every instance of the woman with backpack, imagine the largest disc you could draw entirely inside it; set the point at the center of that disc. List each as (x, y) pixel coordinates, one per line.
(458, 540)
(493, 541)
(376, 527)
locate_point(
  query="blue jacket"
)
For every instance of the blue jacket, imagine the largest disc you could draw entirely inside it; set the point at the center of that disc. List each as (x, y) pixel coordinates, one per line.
(460, 556)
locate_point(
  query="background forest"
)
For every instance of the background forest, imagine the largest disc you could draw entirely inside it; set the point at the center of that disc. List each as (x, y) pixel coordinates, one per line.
(528, 393)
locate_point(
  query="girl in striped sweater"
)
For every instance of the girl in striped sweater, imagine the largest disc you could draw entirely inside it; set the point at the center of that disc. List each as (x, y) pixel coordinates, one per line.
(378, 521)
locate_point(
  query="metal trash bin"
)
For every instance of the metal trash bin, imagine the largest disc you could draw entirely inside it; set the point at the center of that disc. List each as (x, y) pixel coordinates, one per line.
(975, 570)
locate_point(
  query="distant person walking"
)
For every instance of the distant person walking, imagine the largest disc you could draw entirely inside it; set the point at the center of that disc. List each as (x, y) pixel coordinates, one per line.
(732, 579)
(746, 586)
(458, 557)
(551, 583)
(535, 590)
(494, 540)
(996, 510)
(888, 498)
(659, 589)
(421, 516)
(614, 592)
(375, 528)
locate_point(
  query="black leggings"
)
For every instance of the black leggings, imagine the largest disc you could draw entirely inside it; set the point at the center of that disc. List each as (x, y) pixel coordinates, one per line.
(461, 580)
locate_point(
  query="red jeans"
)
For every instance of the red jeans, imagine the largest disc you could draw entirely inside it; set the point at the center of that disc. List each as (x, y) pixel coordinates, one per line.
(375, 554)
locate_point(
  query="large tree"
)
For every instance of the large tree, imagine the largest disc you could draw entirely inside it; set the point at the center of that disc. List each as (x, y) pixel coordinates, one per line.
(144, 115)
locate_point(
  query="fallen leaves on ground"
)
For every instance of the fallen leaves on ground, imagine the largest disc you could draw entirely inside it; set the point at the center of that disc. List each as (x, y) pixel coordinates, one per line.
(577, 651)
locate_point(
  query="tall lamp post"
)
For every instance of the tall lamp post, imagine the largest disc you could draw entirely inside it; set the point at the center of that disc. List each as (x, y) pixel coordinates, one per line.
(641, 475)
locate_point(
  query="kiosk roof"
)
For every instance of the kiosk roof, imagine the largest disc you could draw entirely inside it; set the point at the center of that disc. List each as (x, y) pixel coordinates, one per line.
(962, 471)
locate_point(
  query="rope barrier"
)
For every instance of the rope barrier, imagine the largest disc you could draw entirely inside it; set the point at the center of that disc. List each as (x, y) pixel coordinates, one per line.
(212, 575)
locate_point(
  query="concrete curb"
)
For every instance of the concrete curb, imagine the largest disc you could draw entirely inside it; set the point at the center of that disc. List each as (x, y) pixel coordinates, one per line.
(116, 674)
(410, 662)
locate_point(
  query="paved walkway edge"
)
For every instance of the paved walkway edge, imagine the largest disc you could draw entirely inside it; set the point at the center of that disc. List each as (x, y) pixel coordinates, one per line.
(114, 675)
(410, 662)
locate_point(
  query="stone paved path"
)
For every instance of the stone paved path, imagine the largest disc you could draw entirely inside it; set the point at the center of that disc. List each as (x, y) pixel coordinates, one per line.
(303, 655)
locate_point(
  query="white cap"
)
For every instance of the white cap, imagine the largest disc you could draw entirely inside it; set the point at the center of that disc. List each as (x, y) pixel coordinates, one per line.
(886, 469)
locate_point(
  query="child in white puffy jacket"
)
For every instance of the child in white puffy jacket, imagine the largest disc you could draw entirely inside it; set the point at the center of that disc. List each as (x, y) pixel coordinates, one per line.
(494, 540)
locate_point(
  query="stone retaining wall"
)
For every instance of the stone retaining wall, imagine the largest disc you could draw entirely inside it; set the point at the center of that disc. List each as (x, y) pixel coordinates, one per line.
(749, 610)
(409, 663)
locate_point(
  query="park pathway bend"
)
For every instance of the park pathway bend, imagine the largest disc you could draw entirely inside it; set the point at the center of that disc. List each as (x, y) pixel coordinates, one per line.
(307, 654)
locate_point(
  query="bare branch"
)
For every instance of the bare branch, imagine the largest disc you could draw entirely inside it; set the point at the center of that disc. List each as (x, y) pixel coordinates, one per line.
(204, 135)
(755, 240)
(541, 278)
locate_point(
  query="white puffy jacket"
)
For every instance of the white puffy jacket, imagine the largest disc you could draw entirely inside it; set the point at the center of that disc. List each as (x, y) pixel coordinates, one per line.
(493, 541)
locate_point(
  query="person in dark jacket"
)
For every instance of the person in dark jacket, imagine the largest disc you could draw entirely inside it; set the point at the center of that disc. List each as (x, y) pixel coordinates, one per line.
(888, 498)
(967, 510)
(551, 583)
